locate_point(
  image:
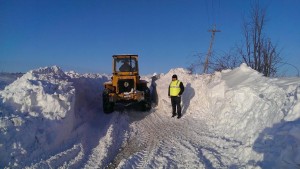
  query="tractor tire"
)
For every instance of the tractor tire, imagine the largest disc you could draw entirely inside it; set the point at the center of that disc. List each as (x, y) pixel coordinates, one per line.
(108, 107)
(146, 104)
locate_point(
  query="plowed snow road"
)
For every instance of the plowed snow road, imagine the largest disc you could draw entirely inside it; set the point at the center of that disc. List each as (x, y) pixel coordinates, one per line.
(157, 140)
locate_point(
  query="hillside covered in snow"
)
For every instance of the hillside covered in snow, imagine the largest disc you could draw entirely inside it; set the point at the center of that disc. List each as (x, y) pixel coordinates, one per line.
(231, 119)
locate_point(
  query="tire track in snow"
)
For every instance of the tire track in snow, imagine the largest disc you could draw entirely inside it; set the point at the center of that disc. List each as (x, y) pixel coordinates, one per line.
(162, 140)
(108, 146)
(140, 146)
(66, 159)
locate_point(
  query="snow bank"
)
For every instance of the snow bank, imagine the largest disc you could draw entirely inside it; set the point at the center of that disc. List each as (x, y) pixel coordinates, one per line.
(244, 106)
(44, 112)
(252, 102)
(248, 103)
(44, 92)
(47, 114)
(34, 109)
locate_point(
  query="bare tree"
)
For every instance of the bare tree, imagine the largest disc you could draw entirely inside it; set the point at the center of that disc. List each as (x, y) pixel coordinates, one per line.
(197, 65)
(271, 58)
(219, 62)
(258, 51)
(228, 60)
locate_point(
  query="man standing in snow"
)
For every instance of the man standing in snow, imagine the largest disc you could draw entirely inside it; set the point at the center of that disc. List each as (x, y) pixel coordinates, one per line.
(176, 89)
(153, 91)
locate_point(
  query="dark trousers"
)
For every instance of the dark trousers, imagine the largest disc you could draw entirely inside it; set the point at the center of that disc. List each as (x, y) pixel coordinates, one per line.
(175, 101)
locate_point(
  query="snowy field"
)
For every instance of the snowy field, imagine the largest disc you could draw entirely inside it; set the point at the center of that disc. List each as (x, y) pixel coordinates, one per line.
(231, 119)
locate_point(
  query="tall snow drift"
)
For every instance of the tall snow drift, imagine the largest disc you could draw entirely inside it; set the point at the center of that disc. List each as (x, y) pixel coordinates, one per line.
(52, 119)
(243, 105)
(44, 92)
(37, 115)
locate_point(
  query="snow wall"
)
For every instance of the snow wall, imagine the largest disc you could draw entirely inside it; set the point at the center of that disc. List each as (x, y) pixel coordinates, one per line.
(41, 110)
(242, 104)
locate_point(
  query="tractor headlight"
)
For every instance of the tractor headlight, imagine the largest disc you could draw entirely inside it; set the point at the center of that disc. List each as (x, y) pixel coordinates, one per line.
(126, 84)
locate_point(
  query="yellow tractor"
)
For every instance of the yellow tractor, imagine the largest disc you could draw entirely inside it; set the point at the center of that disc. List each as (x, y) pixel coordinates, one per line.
(126, 87)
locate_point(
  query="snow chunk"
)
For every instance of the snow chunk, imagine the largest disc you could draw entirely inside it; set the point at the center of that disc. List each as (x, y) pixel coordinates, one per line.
(240, 76)
(178, 71)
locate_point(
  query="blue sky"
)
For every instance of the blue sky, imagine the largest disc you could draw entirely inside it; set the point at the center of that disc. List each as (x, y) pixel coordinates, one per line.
(83, 35)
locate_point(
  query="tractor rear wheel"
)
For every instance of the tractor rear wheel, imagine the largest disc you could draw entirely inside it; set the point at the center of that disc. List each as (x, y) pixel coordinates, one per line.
(146, 104)
(108, 107)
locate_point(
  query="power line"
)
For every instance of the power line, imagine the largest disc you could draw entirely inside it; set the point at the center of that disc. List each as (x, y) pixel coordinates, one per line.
(213, 31)
(212, 11)
(207, 12)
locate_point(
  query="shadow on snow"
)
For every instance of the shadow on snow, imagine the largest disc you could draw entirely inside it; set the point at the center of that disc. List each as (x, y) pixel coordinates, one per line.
(279, 146)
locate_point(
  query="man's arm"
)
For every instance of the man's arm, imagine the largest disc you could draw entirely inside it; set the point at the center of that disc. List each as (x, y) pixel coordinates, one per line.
(181, 89)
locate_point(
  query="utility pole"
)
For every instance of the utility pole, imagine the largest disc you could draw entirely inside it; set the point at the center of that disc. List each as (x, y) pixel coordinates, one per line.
(213, 31)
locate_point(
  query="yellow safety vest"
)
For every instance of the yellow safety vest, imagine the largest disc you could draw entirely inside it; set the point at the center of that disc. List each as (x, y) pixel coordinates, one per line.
(175, 88)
